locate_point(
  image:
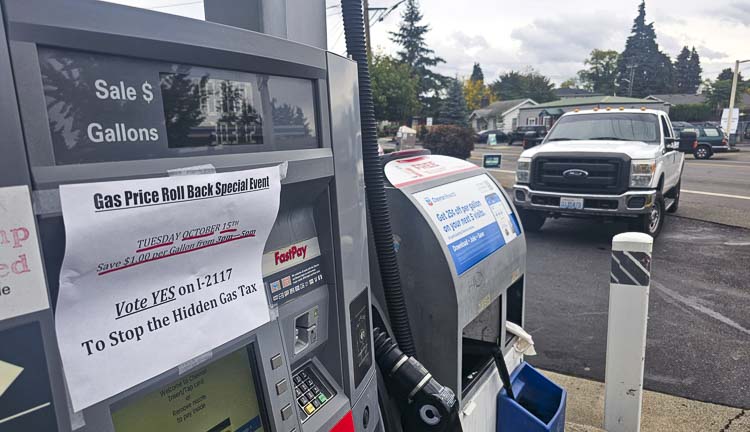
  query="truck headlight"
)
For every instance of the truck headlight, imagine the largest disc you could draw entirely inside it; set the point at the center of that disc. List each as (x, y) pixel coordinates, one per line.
(641, 173)
(523, 170)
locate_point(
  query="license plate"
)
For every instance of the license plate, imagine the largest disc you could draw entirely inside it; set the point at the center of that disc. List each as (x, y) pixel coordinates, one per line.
(571, 203)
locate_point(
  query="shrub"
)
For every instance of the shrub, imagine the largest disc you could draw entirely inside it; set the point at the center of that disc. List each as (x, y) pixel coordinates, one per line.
(422, 132)
(450, 140)
(691, 113)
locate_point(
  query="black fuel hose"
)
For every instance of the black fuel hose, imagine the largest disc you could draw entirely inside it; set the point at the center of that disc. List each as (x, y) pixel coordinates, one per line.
(354, 31)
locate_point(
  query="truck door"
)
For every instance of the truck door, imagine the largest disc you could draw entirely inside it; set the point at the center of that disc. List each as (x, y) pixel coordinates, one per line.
(672, 158)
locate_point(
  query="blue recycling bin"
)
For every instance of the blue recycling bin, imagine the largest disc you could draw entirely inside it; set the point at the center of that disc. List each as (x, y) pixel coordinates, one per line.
(539, 405)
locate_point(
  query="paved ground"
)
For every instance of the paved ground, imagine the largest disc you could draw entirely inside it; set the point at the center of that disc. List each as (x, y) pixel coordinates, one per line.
(699, 326)
(698, 343)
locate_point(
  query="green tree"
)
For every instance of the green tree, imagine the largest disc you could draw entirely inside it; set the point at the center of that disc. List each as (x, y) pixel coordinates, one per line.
(569, 83)
(477, 74)
(415, 53)
(453, 110)
(394, 89)
(642, 69)
(695, 71)
(521, 85)
(719, 92)
(600, 74)
(682, 70)
(728, 74)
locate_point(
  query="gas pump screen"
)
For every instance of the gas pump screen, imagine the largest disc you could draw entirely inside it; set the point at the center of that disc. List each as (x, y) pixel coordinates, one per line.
(220, 397)
(105, 108)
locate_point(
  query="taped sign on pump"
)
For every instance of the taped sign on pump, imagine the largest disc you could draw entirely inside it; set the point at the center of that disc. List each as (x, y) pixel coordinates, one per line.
(168, 256)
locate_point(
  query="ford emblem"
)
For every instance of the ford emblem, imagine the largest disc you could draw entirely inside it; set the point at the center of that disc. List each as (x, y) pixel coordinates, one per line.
(575, 173)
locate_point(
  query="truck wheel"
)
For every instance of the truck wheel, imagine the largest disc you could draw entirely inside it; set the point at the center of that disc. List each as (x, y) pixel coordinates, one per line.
(651, 222)
(675, 195)
(532, 221)
(702, 152)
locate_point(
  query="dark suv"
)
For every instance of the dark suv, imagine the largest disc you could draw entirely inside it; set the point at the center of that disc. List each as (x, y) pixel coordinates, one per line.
(710, 139)
(520, 132)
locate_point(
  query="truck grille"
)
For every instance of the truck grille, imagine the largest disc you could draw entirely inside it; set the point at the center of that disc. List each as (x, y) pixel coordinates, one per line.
(606, 175)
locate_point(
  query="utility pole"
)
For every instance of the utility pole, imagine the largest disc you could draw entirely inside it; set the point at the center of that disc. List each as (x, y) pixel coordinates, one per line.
(366, 11)
(732, 96)
(632, 76)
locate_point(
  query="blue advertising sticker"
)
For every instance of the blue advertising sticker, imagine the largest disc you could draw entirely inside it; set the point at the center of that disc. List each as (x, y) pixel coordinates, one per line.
(473, 218)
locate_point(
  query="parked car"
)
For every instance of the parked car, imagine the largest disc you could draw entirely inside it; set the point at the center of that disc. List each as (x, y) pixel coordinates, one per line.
(520, 132)
(500, 136)
(711, 139)
(602, 163)
(532, 139)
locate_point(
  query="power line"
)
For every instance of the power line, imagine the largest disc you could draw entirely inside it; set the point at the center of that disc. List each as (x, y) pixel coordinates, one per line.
(177, 4)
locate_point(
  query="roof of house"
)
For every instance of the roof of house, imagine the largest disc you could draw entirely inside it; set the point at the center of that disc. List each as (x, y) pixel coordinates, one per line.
(573, 92)
(499, 108)
(678, 98)
(593, 100)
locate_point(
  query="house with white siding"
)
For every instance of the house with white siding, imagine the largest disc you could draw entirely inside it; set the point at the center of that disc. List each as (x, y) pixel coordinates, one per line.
(502, 115)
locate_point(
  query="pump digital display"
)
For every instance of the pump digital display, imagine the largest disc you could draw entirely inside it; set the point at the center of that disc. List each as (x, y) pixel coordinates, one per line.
(218, 398)
(202, 111)
(106, 108)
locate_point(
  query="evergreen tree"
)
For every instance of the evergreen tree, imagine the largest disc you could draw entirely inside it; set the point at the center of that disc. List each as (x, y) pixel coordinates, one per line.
(477, 74)
(642, 69)
(695, 71)
(682, 70)
(415, 53)
(453, 110)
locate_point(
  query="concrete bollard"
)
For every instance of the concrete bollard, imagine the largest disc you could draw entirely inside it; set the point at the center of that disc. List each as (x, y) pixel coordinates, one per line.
(630, 278)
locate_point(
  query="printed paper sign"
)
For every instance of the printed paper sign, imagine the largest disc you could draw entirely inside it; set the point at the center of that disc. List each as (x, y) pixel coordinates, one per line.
(473, 218)
(22, 285)
(293, 269)
(409, 171)
(157, 272)
(725, 120)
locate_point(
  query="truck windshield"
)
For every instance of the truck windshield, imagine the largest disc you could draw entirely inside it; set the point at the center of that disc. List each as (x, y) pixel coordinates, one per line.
(607, 126)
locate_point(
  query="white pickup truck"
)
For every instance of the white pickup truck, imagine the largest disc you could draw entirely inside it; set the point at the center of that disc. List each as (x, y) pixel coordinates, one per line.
(605, 162)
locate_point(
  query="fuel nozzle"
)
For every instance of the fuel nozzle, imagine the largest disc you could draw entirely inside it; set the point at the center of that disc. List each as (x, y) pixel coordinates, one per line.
(425, 404)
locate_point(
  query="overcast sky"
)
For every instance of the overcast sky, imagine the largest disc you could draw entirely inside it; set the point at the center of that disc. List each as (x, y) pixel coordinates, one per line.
(551, 36)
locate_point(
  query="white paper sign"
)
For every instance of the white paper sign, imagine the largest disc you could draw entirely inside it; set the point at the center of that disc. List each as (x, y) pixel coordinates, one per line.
(473, 218)
(157, 272)
(22, 286)
(725, 120)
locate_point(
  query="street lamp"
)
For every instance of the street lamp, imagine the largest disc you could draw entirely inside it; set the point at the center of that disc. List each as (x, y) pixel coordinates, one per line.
(733, 94)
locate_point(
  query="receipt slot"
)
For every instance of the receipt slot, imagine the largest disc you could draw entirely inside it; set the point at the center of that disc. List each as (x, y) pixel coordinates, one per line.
(96, 92)
(462, 254)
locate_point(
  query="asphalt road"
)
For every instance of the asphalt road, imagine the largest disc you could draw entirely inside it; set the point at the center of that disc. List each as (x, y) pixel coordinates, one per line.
(698, 343)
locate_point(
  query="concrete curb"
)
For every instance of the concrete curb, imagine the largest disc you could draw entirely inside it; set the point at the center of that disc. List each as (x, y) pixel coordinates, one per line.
(661, 412)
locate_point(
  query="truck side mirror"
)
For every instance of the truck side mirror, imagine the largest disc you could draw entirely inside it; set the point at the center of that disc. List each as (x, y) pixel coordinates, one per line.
(688, 136)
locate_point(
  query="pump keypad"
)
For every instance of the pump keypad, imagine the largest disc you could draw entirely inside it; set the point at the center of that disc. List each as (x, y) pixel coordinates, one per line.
(310, 390)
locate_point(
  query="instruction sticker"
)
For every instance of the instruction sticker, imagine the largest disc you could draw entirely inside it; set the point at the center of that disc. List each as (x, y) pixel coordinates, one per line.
(473, 217)
(22, 285)
(157, 272)
(292, 270)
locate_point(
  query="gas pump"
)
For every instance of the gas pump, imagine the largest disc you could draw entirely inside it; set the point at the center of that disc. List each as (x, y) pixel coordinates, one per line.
(462, 251)
(70, 74)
